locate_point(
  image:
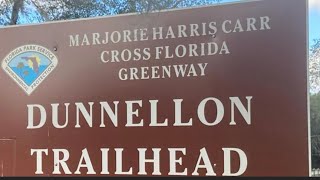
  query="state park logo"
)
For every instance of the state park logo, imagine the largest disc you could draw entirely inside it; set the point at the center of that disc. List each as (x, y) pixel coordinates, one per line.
(29, 65)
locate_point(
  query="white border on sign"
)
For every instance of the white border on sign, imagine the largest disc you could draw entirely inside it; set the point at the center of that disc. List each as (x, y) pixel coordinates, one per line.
(308, 88)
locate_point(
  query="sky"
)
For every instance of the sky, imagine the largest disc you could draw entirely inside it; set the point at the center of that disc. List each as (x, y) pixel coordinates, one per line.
(314, 19)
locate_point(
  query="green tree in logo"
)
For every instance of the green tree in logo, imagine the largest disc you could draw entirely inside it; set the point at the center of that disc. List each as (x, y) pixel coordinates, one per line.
(20, 66)
(25, 73)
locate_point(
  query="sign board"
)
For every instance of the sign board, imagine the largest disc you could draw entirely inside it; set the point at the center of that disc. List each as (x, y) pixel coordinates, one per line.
(209, 91)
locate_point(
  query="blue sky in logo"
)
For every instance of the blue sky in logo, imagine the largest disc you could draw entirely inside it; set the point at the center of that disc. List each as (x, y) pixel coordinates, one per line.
(27, 72)
(16, 60)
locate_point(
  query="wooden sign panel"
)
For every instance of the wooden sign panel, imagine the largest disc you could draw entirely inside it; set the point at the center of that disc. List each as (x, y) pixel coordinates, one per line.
(211, 91)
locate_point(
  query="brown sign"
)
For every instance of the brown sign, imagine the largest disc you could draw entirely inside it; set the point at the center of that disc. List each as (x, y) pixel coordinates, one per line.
(210, 91)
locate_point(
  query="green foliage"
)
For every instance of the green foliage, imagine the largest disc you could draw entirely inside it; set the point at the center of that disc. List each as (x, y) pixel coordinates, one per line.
(315, 114)
(314, 67)
(71, 9)
(33, 11)
(20, 65)
(316, 46)
(142, 6)
(315, 129)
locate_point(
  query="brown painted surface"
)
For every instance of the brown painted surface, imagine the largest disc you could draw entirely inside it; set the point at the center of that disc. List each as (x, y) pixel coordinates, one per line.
(268, 65)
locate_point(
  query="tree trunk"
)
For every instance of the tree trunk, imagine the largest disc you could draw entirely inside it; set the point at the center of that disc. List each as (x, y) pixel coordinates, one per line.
(17, 6)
